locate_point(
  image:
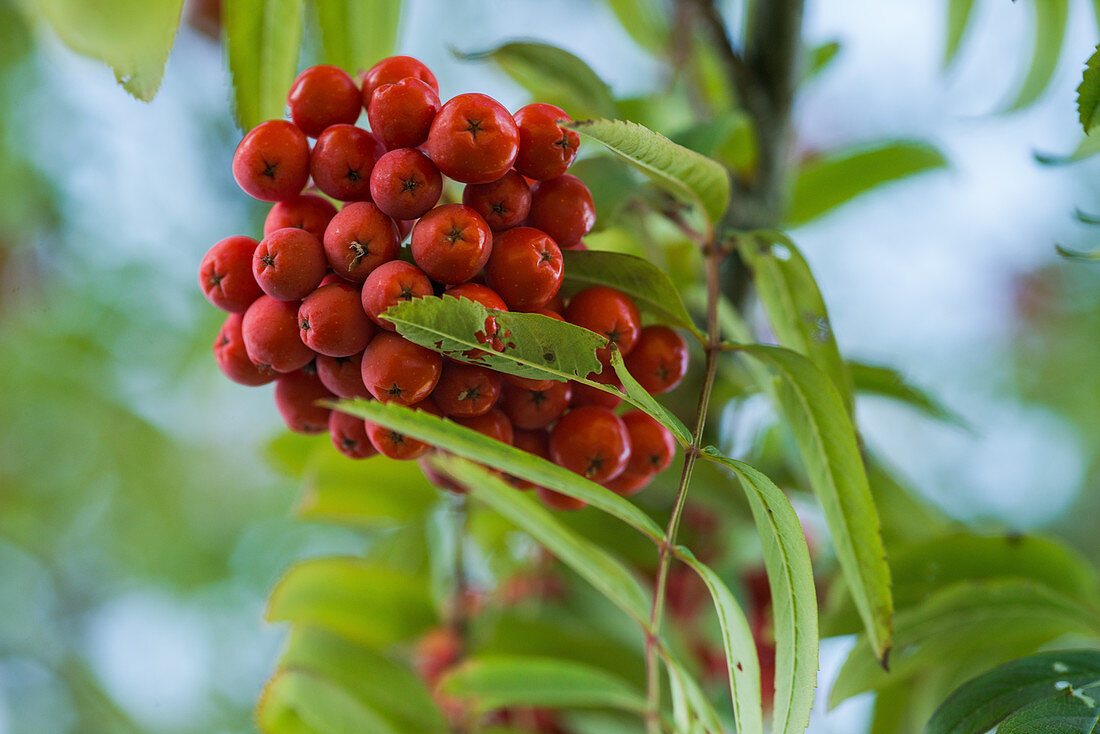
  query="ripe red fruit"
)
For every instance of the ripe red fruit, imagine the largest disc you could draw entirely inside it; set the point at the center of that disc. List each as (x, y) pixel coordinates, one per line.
(233, 359)
(392, 283)
(321, 96)
(342, 160)
(396, 370)
(401, 113)
(659, 359)
(272, 161)
(270, 332)
(308, 211)
(332, 321)
(349, 436)
(397, 445)
(588, 395)
(225, 274)
(343, 376)
(651, 450)
(478, 293)
(503, 203)
(559, 501)
(562, 207)
(359, 239)
(608, 312)
(466, 390)
(531, 409)
(451, 243)
(473, 139)
(392, 70)
(535, 442)
(493, 424)
(592, 442)
(405, 184)
(525, 268)
(289, 263)
(296, 395)
(546, 149)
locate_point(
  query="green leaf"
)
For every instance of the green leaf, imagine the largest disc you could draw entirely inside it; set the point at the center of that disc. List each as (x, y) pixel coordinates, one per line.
(819, 57)
(794, 597)
(378, 492)
(262, 40)
(959, 13)
(1072, 712)
(299, 702)
(827, 182)
(637, 395)
(552, 75)
(686, 174)
(982, 703)
(133, 37)
(363, 601)
(645, 21)
(1050, 31)
(729, 138)
(887, 382)
(698, 704)
(1092, 256)
(1088, 93)
(356, 34)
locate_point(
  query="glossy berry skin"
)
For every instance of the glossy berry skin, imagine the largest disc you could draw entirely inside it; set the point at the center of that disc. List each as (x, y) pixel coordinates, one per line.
(332, 321)
(392, 70)
(559, 501)
(396, 445)
(492, 423)
(659, 359)
(405, 184)
(391, 283)
(546, 150)
(289, 263)
(562, 207)
(343, 376)
(607, 312)
(652, 448)
(359, 239)
(473, 139)
(525, 268)
(535, 442)
(588, 395)
(232, 358)
(398, 371)
(503, 203)
(322, 96)
(451, 243)
(533, 409)
(308, 211)
(478, 293)
(272, 161)
(296, 395)
(401, 113)
(592, 442)
(349, 436)
(225, 274)
(342, 160)
(270, 333)
(466, 390)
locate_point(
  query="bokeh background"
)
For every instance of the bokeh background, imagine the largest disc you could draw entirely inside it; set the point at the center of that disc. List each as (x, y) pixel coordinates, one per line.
(141, 524)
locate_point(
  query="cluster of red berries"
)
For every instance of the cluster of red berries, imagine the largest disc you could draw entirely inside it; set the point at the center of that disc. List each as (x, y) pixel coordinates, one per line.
(306, 302)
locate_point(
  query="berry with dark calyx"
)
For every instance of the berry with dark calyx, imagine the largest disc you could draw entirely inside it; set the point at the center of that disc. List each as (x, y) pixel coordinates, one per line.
(359, 239)
(531, 409)
(659, 359)
(272, 161)
(535, 442)
(562, 207)
(559, 501)
(493, 424)
(478, 293)
(592, 442)
(332, 321)
(401, 113)
(546, 149)
(451, 243)
(607, 312)
(322, 96)
(296, 396)
(270, 332)
(391, 283)
(343, 376)
(503, 203)
(392, 70)
(225, 274)
(588, 395)
(349, 436)
(342, 160)
(473, 139)
(652, 447)
(405, 184)
(525, 268)
(308, 211)
(289, 263)
(399, 371)
(466, 390)
(397, 445)
(232, 357)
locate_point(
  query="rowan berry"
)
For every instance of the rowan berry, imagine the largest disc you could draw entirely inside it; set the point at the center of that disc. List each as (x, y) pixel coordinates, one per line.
(592, 442)
(405, 184)
(473, 139)
(607, 312)
(546, 149)
(296, 396)
(289, 263)
(225, 274)
(343, 376)
(359, 239)
(492, 423)
(332, 321)
(342, 160)
(401, 113)
(466, 390)
(503, 203)
(525, 268)
(270, 332)
(272, 161)
(478, 293)
(397, 445)
(587, 395)
(232, 358)
(391, 283)
(659, 359)
(451, 243)
(392, 70)
(651, 450)
(349, 436)
(322, 96)
(562, 207)
(399, 371)
(308, 211)
(531, 409)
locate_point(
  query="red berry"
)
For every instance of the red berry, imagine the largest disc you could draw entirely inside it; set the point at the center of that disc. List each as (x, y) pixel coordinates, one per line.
(392, 70)
(609, 313)
(396, 370)
(349, 436)
(466, 390)
(592, 442)
(651, 450)
(332, 321)
(397, 445)
(588, 395)
(401, 113)
(493, 424)
(343, 376)
(233, 359)
(478, 293)
(559, 501)
(533, 442)
(451, 243)
(473, 139)
(405, 184)
(272, 161)
(392, 283)
(525, 268)
(289, 263)
(308, 211)
(503, 203)
(546, 149)
(562, 207)
(296, 396)
(270, 332)
(659, 359)
(359, 239)
(322, 96)
(225, 274)
(531, 409)
(342, 160)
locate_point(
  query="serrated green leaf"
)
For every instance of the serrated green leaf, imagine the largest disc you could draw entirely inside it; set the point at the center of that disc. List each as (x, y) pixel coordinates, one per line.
(1092, 256)
(959, 13)
(686, 174)
(300, 701)
(825, 183)
(887, 382)
(1050, 31)
(377, 492)
(262, 40)
(645, 21)
(1088, 94)
(356, 34)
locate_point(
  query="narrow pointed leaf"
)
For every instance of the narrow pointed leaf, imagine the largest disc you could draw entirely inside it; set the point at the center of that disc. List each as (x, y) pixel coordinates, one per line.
(869, 379)
(1050, 31)
(638, 396)
(356, 34)
(959, 13)
(262, 40)
(1093, 256)
(300, 701)
(1088, 147)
